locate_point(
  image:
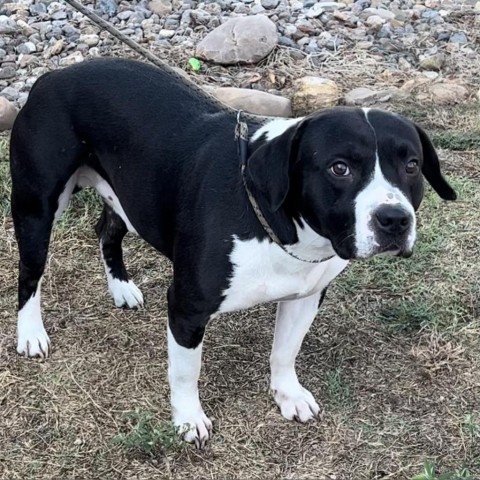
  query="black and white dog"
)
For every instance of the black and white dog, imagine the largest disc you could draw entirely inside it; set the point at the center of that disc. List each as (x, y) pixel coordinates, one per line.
(336, 185)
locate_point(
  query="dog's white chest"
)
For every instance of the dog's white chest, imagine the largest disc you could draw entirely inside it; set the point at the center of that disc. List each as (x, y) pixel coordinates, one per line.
(263, 272)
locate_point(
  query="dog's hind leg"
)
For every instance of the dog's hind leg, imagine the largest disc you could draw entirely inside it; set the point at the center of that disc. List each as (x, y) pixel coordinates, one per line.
(45, 154)
(110, 230)
(38, 198)
(33, 235)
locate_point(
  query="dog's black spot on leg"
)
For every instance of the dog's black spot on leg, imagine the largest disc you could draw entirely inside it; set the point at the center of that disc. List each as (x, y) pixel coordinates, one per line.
(111, 230)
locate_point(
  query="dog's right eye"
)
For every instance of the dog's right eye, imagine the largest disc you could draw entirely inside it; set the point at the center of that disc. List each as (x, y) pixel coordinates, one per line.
(412, 167)
(340, 169)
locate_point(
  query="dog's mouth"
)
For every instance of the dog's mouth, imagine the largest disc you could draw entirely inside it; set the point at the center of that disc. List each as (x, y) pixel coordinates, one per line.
(395, 250)
(392, 249)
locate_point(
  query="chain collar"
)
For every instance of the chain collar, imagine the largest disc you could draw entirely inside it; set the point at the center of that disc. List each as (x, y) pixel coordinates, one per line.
(241, 136)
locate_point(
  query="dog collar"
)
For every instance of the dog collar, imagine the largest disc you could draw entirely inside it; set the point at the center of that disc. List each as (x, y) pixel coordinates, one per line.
(241, 137)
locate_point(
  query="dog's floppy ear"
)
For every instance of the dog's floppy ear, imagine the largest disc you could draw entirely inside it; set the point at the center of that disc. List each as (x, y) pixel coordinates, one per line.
(268, 168)
(431, 168)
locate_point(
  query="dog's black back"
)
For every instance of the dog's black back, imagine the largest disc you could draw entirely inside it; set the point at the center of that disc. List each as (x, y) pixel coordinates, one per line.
(117, 126)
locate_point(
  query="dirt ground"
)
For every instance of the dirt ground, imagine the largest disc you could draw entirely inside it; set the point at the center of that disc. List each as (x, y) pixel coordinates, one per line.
(393, 357)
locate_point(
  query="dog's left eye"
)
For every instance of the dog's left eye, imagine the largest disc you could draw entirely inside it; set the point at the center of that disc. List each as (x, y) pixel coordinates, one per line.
(412, 167)
(340, 169)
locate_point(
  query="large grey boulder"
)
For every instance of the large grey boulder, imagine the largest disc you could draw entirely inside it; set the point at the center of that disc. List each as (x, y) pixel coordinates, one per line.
(239, 40)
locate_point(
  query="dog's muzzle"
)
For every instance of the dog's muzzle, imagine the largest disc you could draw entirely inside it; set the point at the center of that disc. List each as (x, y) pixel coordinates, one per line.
(393, 226)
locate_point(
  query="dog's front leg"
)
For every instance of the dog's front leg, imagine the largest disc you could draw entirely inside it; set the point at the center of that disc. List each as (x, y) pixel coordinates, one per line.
(293, 321)
(185, 340)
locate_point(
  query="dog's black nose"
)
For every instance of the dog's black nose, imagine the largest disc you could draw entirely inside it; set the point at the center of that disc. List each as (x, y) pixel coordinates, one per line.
(392, 219)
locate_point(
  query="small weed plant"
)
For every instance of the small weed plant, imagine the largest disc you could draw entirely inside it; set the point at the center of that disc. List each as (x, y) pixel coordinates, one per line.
(430, 474)
(149, 436)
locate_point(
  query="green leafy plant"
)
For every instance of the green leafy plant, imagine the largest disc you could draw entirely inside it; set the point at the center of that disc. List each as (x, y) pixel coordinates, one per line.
(149, 436)
(472, 426)
(430, 474)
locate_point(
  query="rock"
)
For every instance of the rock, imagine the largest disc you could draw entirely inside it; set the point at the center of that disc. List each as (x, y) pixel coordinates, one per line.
(432, 62)
(315, 11)
(414, 84)
(365, 96)
(239, 40)
(59, 15)
(9, 93)
(8, 113)
(375, 21)
(27, 48)
(76, 57)
(314, 93)
(70, 30)
(94, 52)
(360, 5)
(289, 30)
(200, 17)
(7, 72)
(160, 7)
(446, 93)
(164, 33)
(347, 18)
(125, 14)
(305, 26)
(13, 7)
(287, 42)
(269, 4)
(214, 8)
(331, 6)
(385, 14)
(459, 37)
(430, 75)
(254, 101)
(26, 60)
(55, 49)
(256, 9)
(90, 40)
(107, 7)
(38, 8)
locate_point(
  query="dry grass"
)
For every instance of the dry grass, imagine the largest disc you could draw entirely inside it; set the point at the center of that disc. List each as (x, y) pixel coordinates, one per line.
(393, 357)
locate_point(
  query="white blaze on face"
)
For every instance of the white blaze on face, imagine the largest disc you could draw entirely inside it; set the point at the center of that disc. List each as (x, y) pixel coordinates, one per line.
(377, 193)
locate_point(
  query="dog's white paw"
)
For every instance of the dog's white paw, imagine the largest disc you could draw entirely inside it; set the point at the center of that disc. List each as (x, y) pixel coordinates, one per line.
(296, 403)
(194, 427)
(125, 294)
(33, 341)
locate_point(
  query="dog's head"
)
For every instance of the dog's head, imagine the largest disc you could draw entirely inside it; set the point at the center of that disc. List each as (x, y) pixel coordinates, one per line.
(354, 175)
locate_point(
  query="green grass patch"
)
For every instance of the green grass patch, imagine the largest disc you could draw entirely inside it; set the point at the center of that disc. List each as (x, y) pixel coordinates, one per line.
(148, 436)
(454, 140)
(338, 391)
(471, 425)
(430, 473)
(404, 316)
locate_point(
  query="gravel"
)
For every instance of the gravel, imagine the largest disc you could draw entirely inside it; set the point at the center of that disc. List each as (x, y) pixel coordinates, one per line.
(46, 35)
